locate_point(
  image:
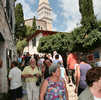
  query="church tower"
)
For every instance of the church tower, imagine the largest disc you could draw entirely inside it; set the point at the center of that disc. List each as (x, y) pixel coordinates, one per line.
(45, 13)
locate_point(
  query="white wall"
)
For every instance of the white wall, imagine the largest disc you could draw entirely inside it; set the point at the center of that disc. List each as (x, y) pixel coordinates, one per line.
(30, 48)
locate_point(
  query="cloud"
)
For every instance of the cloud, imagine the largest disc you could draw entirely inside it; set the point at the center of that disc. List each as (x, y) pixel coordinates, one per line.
(31, 1)
(97, 8)
(28, 13)
(71, 13)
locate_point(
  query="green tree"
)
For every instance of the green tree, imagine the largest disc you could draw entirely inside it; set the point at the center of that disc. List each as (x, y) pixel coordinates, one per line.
(31, 30)
(28, 31)
(86, 37)
(20, 45)
(20, 29)
(34, 27)
(84, 42)
(58, 42)
(87, 13)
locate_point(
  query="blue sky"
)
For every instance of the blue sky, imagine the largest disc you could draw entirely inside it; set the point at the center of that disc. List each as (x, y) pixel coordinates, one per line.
(66, 15)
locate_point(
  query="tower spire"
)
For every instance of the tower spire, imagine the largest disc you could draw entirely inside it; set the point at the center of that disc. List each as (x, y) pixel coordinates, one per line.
(43, 1)
(44, 13)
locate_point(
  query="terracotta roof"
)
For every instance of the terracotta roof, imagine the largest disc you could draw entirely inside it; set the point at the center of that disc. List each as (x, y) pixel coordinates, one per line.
(44, 32)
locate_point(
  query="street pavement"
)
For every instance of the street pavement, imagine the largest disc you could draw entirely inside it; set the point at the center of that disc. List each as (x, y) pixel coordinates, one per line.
(24, 97)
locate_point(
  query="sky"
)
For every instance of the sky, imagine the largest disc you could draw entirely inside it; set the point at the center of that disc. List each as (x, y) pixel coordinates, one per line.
(65, 13)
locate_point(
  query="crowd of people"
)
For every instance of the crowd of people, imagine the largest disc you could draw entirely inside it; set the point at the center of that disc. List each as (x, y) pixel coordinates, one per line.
(46, 77)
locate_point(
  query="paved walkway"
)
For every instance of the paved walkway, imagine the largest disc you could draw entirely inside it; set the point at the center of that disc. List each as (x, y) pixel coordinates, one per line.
(24, 97)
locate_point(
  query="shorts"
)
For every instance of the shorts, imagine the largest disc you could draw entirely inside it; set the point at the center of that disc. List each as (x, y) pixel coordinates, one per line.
(16, 93)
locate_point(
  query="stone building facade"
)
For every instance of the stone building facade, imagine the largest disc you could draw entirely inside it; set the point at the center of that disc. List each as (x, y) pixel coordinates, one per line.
(7, 47)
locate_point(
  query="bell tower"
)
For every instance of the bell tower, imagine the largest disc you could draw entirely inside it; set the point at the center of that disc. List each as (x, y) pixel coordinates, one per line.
(45, 13)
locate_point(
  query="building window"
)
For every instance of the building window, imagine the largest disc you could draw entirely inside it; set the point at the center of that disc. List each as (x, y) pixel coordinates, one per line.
(34, 41)
(38, 27)
(96, 55)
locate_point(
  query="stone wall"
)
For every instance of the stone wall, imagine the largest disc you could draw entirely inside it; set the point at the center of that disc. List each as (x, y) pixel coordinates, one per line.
(6, 45)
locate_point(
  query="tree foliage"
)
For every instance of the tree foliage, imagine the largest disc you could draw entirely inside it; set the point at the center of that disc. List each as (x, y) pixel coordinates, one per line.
(31, 30)
(87, 13)
(34, 28)
(28, 31)
(58, 42)
(86, 41)
(79, 40)
(20, 29)
(20, 45)
(88, 36)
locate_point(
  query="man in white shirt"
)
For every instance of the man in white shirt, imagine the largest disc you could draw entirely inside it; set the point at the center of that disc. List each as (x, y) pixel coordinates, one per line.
(60, 57)
(15, 82)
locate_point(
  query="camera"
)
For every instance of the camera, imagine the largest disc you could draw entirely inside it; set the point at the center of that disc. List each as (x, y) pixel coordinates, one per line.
(38, 81)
